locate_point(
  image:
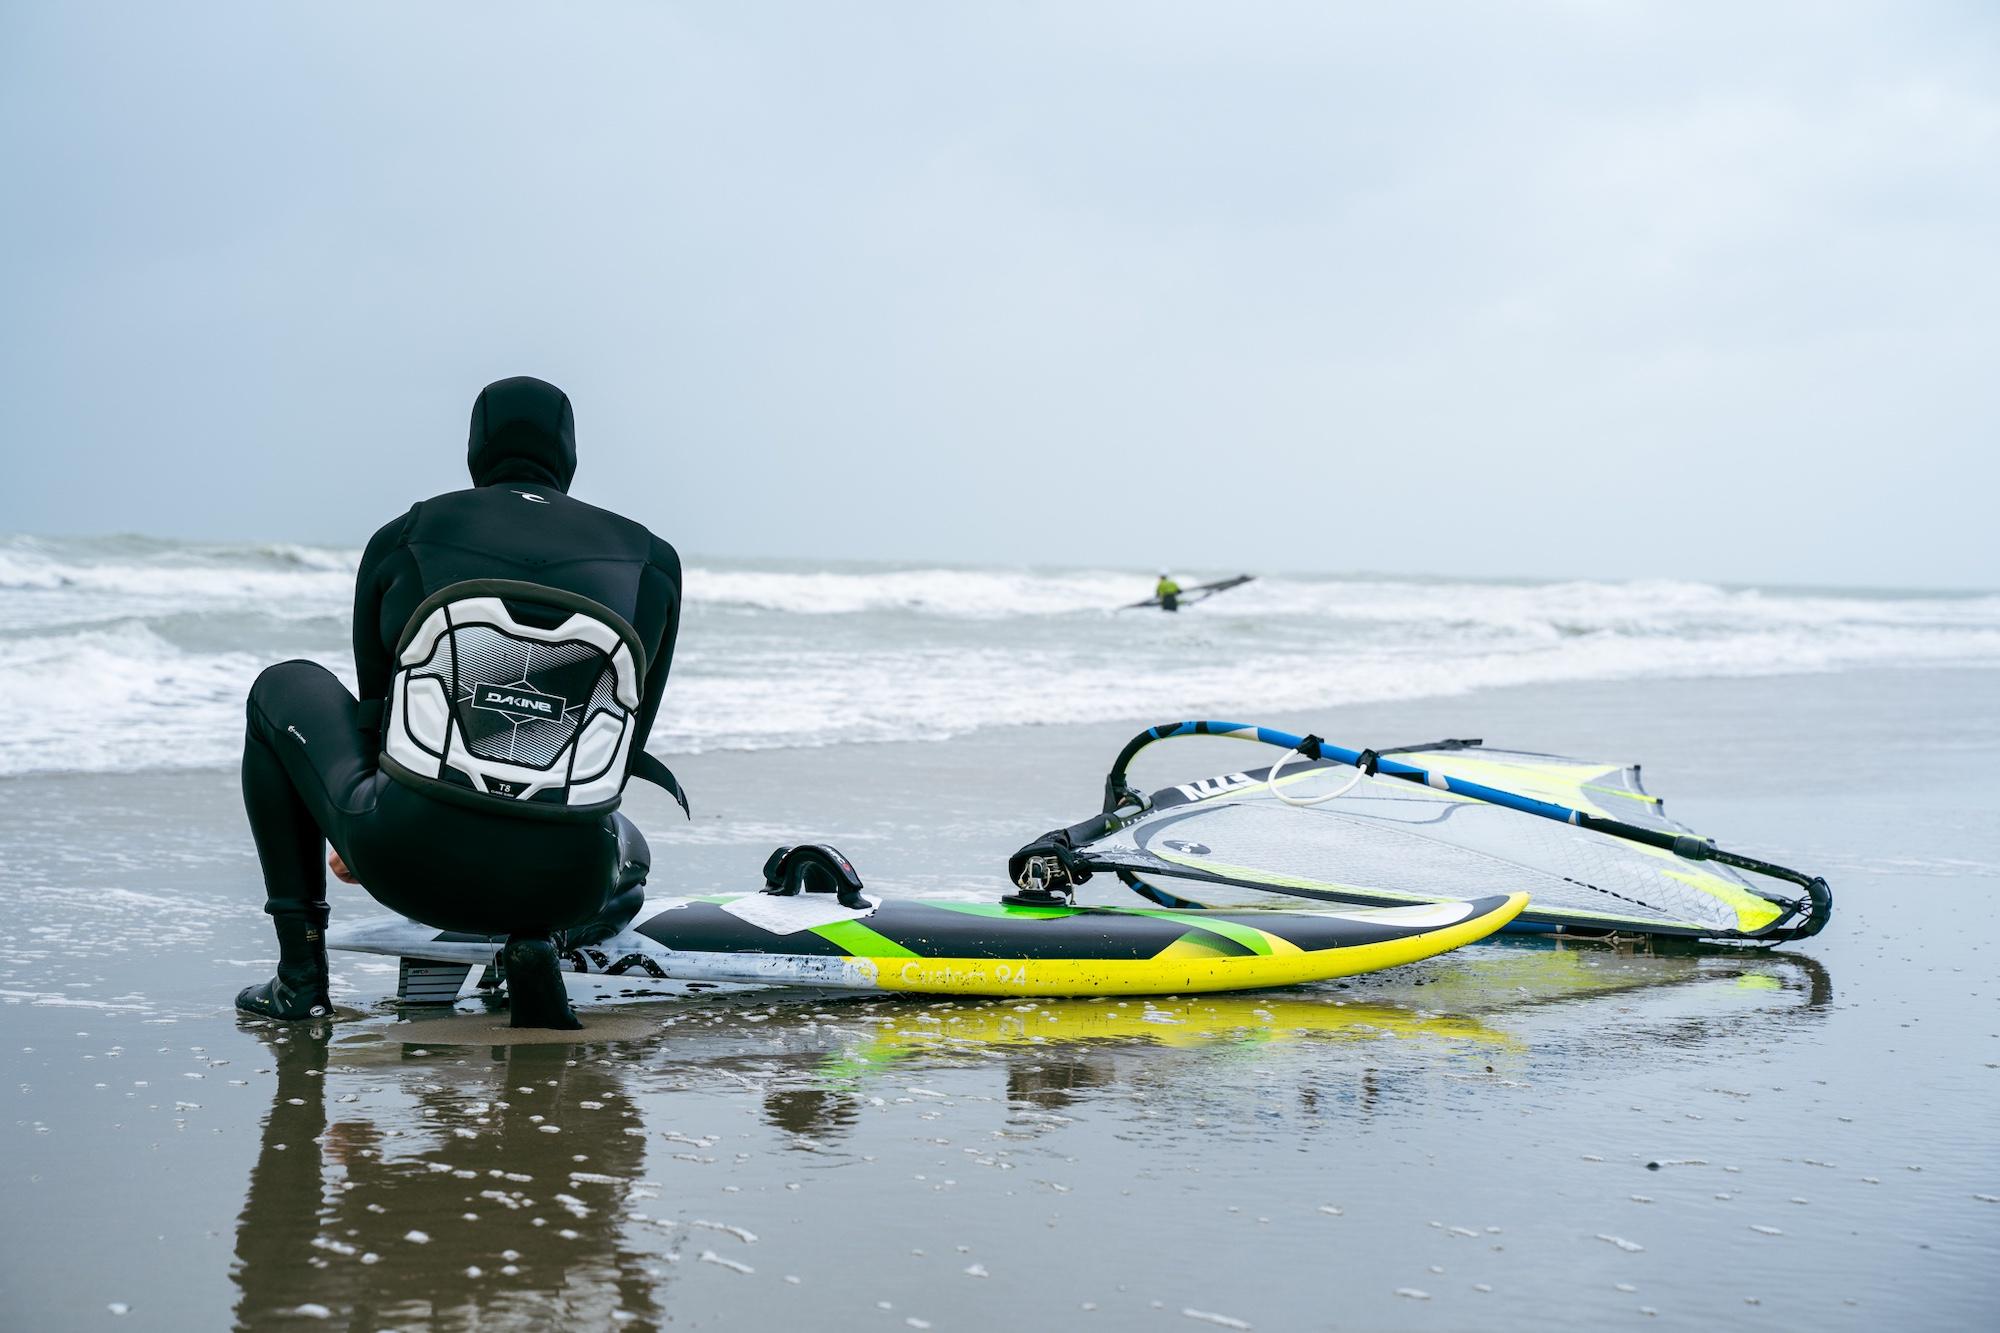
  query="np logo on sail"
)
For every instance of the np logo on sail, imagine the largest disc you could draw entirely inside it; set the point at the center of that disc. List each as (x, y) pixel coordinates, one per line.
(520, 702)
(1203, 788)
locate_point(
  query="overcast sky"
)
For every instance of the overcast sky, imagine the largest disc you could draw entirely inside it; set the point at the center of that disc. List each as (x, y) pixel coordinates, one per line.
(1558, 289)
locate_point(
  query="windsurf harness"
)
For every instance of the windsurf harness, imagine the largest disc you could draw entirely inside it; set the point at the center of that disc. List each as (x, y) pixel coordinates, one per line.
(517, 697)
(1448, 819)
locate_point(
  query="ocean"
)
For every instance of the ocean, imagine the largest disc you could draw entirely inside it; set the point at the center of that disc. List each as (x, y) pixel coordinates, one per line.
(1519, 1134)
(138, 652)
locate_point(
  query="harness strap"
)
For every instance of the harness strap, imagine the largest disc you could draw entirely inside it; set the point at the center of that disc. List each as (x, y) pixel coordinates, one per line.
(649, 769)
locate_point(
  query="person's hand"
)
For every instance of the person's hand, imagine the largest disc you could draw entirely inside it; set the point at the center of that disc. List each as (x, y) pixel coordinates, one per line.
(339, 868)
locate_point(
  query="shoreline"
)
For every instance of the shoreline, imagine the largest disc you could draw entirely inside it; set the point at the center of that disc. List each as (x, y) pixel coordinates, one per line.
(1508, 697)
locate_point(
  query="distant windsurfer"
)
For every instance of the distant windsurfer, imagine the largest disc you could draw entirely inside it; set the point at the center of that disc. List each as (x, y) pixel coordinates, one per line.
(511, 645)
(1169, 595)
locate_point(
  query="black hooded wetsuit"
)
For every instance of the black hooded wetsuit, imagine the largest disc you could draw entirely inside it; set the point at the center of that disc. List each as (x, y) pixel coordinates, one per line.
(310, 762)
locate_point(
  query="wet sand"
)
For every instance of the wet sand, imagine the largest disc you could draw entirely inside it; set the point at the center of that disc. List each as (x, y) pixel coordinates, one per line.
(1514, 1135)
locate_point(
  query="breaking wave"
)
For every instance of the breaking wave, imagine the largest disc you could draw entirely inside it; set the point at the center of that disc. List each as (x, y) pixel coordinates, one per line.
(137, 652)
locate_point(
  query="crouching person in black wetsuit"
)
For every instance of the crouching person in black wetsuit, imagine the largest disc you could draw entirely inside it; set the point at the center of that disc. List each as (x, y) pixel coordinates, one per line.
(512, 645)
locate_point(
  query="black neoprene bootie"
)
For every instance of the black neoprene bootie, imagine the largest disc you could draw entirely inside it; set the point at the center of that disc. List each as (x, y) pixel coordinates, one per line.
(535, 993)
(299, 989)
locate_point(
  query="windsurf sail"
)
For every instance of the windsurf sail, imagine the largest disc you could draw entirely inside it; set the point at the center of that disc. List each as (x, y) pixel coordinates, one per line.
(1594, 850)
(1198, 592)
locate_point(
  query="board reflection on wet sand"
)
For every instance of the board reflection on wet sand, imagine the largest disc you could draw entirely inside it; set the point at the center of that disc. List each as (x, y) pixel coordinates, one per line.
(439, 1170)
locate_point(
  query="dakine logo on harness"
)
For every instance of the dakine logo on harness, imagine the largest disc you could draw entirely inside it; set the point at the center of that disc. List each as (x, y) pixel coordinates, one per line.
(518, 701)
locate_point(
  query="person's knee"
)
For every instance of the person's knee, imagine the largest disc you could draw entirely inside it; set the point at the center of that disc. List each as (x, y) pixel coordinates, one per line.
(285, 680)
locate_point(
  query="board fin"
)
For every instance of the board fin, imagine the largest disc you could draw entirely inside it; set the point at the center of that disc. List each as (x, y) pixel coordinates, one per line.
(423, 981)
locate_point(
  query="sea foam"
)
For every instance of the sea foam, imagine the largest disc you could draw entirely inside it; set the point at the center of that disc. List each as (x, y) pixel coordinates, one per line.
(137, 653)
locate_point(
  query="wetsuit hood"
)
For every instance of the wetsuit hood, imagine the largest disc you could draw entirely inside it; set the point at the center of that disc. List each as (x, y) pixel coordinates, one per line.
(522, 430)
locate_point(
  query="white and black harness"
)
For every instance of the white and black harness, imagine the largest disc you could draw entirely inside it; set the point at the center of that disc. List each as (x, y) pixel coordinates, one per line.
(517, 697)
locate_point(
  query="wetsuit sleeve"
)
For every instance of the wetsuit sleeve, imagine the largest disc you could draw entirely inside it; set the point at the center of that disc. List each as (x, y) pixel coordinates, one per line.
(371, 654)
(659, 586)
